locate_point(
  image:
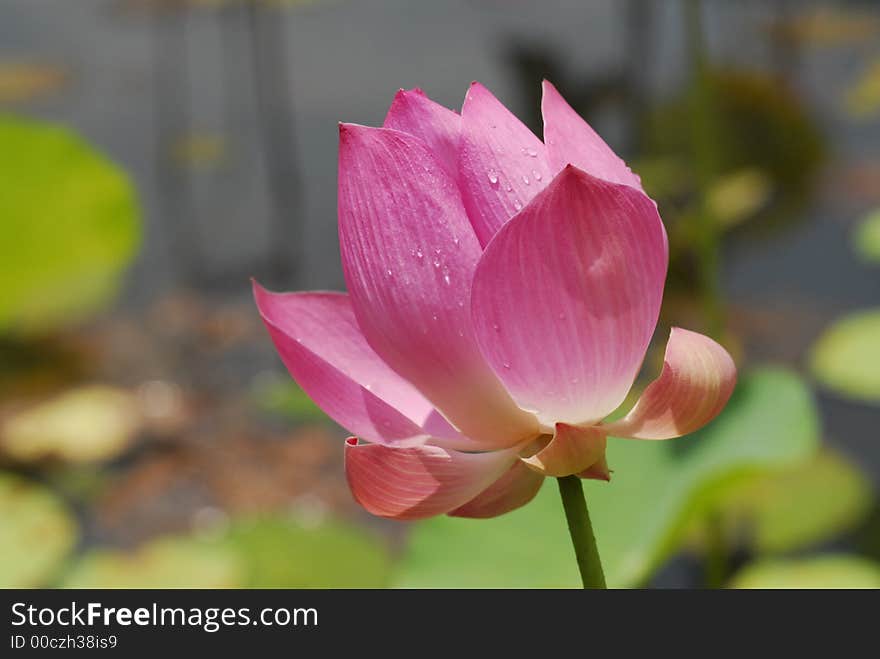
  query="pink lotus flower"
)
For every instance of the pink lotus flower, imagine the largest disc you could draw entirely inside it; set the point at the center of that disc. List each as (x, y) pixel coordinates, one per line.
(502, 295)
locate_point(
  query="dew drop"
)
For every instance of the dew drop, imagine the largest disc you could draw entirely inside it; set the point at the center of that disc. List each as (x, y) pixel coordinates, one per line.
(517, 205)
(456, 241)
(537, 174)
(510, 188)
(526, 179)
(388, 273)
(496, 327)
(446, 279)
(493, 177)
(505, 364)
(531, 153)
(436, 263)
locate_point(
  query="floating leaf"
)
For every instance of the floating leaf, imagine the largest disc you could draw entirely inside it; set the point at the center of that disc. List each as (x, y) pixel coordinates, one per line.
(846, 358)
(280, 552)
(70, 226)
(788, 509)
(36, 533)
(640, 518)
(866, 238)
(86, 424)
(173, 562)
(835, 571)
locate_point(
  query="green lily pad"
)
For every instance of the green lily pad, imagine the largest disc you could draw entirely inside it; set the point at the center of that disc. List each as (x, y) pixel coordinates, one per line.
(36, 533)
(86, 424)
(70, 226)
(846, 358)
(835, 571)
(280, 552)
(641, 517)
(866, 238)
(173, 562)
(788, 509)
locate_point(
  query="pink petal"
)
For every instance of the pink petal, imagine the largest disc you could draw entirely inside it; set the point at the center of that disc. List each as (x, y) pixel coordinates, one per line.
(421, 481)
(408, 254)
(414, 113)
(319, 341)
(502, 164)
(513, 490)
(570, 140)
(696, 382)
(571, 451)
(566, 297)
(599, 471)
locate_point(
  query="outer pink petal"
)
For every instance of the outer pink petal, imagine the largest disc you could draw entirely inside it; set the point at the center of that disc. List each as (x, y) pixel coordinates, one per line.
(599, 471)
(439, 127)
(570, 140)
(319, 341)
(421, 481)
(408, 254)
(571, 451)
(697, 380)
(513, 490)
(567, 294)
(502, 164)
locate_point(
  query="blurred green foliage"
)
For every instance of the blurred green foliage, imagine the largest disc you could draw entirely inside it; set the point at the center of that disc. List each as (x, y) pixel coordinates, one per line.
(70, 226)
(846, 358)
(830, 571)
(281, 552)
(764, 145)
(268, 551)
(657, 490)
(795, 507)
(282, 396)
(163, 563)
(37, 532)
(866, 237)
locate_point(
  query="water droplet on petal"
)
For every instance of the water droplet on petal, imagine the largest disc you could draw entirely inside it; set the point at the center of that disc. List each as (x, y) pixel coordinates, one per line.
(516, 204)
(537, 174)
(496, 327)
(419, 253)
(493, 177)
(505, 365)
(526, 179)
(388, 273)
(446, 279)
(436, 263)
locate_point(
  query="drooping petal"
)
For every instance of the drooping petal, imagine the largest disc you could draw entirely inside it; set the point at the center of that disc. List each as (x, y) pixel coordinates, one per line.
(319, 341)
(571, 140)
(571, 451)
(695, 384)
(408, 255)
(420, 481)
(439, 127)
(599, 471)
(513, 490)
(502, 163)
(566, 297)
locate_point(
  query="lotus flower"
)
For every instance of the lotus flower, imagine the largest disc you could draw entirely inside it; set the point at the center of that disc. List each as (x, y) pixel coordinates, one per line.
(502, 292)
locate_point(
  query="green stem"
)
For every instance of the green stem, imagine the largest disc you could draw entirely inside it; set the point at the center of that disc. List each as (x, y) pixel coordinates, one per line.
(581, 530)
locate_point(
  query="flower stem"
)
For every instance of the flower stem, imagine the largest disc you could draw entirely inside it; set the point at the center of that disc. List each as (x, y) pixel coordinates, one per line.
(581, 530)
